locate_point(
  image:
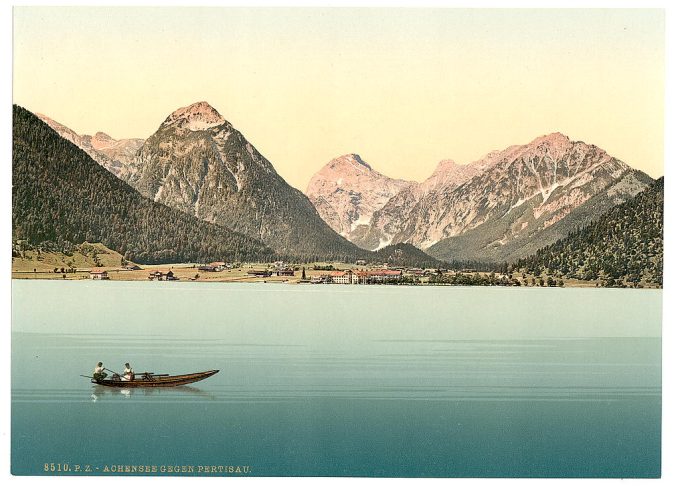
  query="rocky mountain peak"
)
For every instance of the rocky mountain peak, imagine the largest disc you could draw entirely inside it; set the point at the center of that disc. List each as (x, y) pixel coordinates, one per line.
(195, 117)
(102, 140)
(449, 168)
(349, 161)
(555, 142)
(449, 174)
(552, 138)
(445, 166)
(347, 191)
(102, 136)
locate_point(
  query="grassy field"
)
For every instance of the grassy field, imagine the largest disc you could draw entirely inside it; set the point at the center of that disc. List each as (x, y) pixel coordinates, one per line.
(42, 265)
(34, 265)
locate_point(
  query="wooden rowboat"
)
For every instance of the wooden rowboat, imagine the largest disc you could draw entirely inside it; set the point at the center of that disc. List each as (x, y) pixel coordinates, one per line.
(150, 380)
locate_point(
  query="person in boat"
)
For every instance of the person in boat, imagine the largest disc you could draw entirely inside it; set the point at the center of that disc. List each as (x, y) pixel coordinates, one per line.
(99, 373)
(128, 373)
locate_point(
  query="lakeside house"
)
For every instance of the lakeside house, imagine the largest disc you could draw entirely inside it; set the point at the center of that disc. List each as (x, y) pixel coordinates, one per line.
(99, 274)
(377, 276)
(208, 268)
(358, 276)
(341, 277)
(285, 272)
(160, 276)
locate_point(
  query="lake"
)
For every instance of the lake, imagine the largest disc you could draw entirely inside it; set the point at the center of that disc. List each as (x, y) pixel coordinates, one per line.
(334, 380)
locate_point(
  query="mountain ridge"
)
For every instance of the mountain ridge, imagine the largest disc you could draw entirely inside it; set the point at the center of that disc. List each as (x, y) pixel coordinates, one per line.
(149, 251)
(539, 184)
(112, 154)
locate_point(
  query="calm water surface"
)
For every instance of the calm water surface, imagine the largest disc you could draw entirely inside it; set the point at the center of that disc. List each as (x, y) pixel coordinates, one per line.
(340, 380)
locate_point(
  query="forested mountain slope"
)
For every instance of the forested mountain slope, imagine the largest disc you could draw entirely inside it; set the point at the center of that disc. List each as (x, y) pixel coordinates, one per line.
(61, 197)
(623, 247)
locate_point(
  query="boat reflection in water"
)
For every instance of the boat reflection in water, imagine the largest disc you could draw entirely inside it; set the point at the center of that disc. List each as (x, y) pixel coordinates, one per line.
(100, 392)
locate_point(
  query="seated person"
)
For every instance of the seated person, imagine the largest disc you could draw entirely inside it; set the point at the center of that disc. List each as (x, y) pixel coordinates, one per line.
(99, 373)
(128, 373)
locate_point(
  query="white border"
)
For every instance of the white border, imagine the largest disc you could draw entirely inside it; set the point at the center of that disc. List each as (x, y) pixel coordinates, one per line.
(670, 338)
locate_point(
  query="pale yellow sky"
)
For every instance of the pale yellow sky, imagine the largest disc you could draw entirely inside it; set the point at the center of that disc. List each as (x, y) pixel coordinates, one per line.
(404, 88)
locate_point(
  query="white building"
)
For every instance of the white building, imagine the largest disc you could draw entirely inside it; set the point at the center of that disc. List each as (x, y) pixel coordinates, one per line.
(343, 277)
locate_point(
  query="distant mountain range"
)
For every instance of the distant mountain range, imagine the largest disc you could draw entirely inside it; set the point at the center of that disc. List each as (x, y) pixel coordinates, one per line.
(198, 191)
(623, 247)
(500, 208)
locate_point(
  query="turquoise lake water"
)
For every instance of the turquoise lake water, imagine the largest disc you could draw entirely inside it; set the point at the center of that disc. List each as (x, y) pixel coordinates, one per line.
(339, 380)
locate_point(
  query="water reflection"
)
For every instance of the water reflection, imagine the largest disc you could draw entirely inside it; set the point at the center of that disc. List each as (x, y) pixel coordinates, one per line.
(100, 392)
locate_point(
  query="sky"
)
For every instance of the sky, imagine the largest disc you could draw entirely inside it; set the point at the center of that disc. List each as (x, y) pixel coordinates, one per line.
(402, 87)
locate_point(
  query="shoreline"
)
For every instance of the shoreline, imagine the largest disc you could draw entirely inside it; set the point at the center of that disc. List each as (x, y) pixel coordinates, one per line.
(187, 275)
(95, 261)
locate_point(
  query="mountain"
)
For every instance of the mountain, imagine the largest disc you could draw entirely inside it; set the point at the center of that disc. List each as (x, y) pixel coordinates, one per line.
(112, 154)
(61, 197)
(624, 246)
(197, 162)
(506, 205)
(347, 192)
(404, 255)
(387, 223)
(526, 197)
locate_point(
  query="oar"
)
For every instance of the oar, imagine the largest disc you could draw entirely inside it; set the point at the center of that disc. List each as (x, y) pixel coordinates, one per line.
(112, 371)
(87, 377)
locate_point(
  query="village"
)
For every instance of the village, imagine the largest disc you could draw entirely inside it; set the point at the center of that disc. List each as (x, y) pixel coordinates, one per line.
(94, 261)
(279, 271)
(359, 273)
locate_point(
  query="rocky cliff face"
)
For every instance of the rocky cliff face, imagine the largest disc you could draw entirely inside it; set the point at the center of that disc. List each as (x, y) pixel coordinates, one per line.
(199, 163)
(112, 154)
(506, 205)
(347, 192)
